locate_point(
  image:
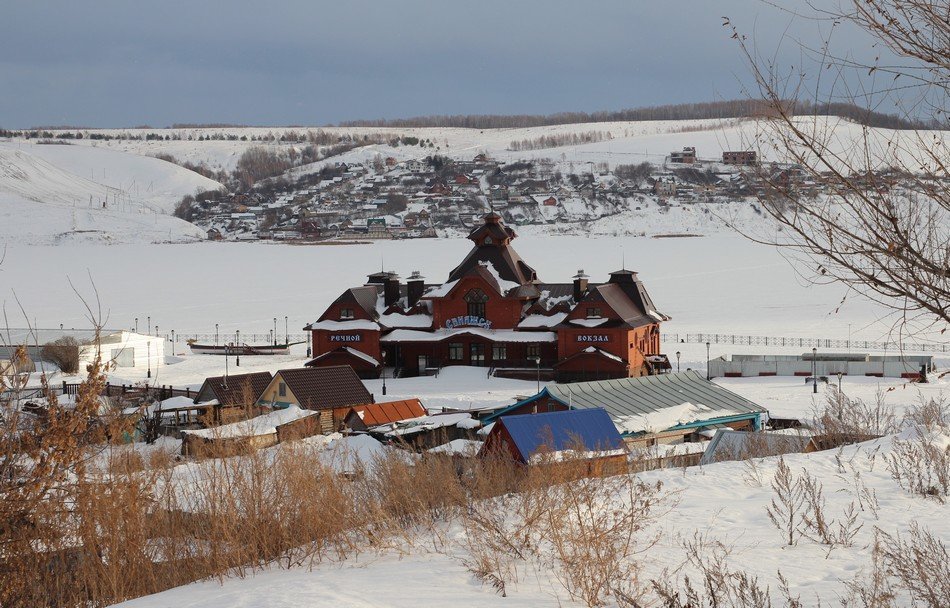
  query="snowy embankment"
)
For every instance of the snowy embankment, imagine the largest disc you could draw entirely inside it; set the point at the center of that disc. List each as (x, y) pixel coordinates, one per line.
(720, 509)
(50, 194)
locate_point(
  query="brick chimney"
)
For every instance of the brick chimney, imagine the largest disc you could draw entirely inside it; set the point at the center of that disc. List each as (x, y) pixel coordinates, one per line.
(580, 285)
(415, 285)
(391, 289)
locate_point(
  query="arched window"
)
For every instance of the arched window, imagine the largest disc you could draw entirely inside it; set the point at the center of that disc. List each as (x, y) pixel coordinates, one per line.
(476, 299)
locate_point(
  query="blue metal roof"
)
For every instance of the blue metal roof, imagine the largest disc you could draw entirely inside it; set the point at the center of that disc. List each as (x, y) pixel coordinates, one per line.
(557, 431)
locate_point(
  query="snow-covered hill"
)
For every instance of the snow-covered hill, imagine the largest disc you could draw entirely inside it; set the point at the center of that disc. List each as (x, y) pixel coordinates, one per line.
(52, 193)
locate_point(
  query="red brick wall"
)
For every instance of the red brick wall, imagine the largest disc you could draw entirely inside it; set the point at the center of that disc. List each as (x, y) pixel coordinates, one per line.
(504, 313)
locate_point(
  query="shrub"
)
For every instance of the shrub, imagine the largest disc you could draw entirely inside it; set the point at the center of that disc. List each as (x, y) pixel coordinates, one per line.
(64, 352)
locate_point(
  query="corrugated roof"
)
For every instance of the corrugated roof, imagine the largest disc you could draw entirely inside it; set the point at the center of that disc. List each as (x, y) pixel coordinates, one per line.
(319, 388)
(558, 431)
(389, 411)
(651, 394)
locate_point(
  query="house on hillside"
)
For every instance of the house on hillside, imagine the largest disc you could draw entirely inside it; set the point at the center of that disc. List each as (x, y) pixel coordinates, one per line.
(650, 410)
(686, 157)
(253, 434)
(332, 391)
(745, 157)
(364, 417)
(230, 397)
(587, 434)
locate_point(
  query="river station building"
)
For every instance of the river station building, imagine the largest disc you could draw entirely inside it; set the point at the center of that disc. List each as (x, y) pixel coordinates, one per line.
(493, 311)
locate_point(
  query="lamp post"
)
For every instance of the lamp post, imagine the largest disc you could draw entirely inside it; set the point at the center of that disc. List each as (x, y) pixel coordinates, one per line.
(537, 364)
(237, 354)
(149, 324)
(216, 335)
(707, 361)
(383, 371)
(309, 335)
(173, 343)
(839, 382)
(136, 325)
(814, 370)
(275, 331)
(286, 331)
(678, 353)
(149, 359)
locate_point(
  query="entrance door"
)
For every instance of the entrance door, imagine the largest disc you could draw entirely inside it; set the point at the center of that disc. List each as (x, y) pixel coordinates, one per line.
(423, 363)
(477, 354)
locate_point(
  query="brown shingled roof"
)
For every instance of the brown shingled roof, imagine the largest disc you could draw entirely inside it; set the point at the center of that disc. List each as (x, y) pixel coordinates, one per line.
(388, 412)
(319, 388)
(232, 391)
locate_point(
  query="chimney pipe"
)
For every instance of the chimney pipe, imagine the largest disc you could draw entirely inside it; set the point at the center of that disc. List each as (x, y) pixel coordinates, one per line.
(415, 286)
(580, 285)
(391, 289)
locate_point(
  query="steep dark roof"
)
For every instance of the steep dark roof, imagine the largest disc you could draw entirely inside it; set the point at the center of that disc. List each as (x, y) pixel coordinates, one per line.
(496, 252)
(230, 391)
(319, 388)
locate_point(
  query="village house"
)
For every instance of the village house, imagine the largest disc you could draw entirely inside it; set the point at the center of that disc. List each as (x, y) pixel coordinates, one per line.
(687, 156)
(586, 437)
(745, 158)
(230, 397)
(493, 311)
(331, 391)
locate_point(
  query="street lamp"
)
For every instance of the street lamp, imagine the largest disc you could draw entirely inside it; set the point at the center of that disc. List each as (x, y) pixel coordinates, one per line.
(839, 382)
(149, 325)
(707, 361)
(678, 353)
(215, 334)
(136, 325)
(814, 369)
(275, 331)
(173, 343)
(286, 331)
(383, 372)
(149, 359)
(237, 354)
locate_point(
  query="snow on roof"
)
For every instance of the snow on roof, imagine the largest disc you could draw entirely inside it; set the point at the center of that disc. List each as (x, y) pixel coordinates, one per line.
(344, 325)
(495, 335)
(669, 417)
(422, 423)
(460, 447)
(592, 349)
(361, 355)
(396, 320)
(261, 425)
(589, 322)
(441, 291)
(504, 285)
(532, 321)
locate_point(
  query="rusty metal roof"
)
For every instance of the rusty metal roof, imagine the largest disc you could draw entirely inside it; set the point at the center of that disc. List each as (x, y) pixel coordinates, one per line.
(388, 412)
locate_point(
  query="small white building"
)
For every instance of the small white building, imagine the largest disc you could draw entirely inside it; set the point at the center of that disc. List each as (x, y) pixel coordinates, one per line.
(126, 349)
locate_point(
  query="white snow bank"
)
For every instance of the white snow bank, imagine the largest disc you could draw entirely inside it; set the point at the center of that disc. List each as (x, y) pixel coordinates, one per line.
(661, 420)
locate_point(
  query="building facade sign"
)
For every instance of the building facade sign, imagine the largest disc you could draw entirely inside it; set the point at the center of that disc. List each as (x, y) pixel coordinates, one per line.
(593, 337)
(346, 338)
(467, 321)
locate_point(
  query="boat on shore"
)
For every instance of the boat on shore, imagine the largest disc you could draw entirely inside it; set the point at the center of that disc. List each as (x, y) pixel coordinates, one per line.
(241, 349)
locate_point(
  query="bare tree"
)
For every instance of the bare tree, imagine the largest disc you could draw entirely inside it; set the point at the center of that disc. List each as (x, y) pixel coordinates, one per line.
(878, 218)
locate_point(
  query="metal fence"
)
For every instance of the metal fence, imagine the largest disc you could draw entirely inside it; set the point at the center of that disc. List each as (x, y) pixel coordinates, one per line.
(805, 343)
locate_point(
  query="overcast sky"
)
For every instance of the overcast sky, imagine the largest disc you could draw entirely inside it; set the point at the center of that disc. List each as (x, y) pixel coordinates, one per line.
(126, 62)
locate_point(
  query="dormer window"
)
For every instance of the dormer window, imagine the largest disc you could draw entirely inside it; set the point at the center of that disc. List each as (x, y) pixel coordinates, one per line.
(346, 313)
(594, 313)
(476, 299)
(488, 240)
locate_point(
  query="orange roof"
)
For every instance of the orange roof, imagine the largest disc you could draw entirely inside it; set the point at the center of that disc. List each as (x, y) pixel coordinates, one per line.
(387, 412)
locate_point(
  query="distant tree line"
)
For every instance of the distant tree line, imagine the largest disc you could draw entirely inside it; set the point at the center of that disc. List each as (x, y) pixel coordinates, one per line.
(736, 108)
(560, 139)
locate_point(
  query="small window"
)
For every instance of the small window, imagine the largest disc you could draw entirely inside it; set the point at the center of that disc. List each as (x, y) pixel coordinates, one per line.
(593, 313)
(346, 313)
(476, 299)
(281, 390)
(533, 351)
(488, 240)
(455, 351)
(499, 352)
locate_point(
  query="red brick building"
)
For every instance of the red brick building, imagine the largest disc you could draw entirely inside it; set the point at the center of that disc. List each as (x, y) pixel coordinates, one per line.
(493, 311)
